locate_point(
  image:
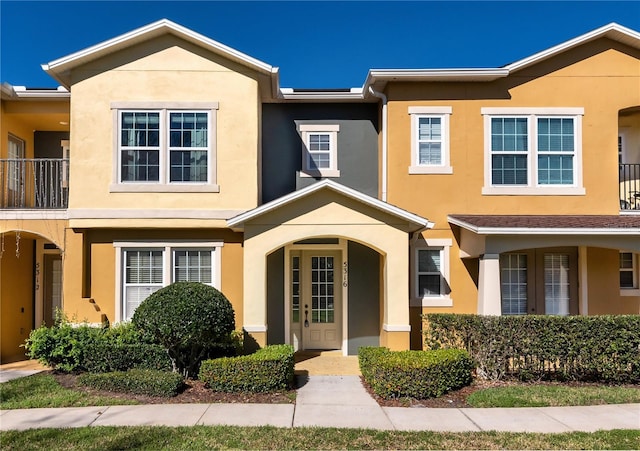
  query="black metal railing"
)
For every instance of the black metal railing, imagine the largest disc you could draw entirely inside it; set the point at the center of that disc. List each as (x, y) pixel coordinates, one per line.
(630, 186)
(41, 183)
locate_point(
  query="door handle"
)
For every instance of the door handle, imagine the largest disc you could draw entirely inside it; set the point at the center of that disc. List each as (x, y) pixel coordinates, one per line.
(306, 315)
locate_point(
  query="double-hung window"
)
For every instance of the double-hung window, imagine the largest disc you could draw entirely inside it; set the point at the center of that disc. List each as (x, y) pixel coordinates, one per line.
(319, 150)
(165, 147)
(430, 140)
(144, 268)
(431, 273)
(533, 151)
(629, 272)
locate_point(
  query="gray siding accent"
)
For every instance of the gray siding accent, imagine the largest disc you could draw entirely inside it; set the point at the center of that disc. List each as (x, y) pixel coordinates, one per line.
(364, 297)
(282, 146)
(275, 297)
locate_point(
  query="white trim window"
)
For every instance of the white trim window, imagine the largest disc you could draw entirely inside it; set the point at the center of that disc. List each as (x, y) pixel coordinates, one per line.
(628, 271)
(319, 150)
(533, 151)
(430, 140)
(430, 284)
(513, 284)
(164, 147)
(144, 268)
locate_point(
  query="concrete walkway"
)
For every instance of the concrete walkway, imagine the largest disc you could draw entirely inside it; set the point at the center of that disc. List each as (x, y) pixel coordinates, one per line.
(333, 401)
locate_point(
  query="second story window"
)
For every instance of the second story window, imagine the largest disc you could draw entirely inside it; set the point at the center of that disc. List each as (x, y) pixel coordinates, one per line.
(165, 148)
(533, 151)
(430, 140)
(319, 150)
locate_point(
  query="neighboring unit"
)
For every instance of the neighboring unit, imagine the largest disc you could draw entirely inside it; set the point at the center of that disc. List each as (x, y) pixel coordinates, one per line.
(167, 156)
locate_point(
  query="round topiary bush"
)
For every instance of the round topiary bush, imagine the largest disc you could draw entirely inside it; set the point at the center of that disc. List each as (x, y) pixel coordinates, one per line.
(187, 319)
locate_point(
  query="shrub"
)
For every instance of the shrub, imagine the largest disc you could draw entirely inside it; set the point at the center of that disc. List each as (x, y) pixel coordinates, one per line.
(105, 357)
(188, 319)
(596, 348)
(63, 346)
(137, 381)
(268, 369)
(415, 374)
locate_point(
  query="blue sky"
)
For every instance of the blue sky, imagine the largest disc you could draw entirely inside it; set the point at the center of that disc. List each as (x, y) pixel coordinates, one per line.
(330, 44)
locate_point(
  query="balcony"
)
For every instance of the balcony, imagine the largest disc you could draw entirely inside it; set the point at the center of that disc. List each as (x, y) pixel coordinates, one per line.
(629, 187)
(41, 184)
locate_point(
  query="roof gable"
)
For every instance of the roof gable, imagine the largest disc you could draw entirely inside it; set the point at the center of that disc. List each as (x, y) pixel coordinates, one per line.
(416, 221)
(60, 69)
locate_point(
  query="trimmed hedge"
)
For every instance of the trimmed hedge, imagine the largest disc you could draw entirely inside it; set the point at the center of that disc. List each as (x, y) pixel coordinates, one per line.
(415, 374)
(268, 369)
(588, 348)
(108, 357)
(137, 381)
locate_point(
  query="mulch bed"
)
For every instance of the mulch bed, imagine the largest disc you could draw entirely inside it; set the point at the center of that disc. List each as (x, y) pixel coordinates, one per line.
(196, 392)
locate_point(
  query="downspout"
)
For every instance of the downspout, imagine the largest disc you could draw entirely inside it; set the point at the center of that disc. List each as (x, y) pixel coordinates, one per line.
(384, 140)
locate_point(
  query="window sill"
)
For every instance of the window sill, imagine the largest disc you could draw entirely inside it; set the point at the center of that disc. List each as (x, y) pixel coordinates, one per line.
(631, 292)
(436, 301)
(533, 191)
(323, 173)
(163, 188)
(430, 170)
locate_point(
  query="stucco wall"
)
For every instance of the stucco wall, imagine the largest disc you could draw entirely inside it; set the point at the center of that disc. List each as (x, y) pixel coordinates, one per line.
(357, 146)
(164, 70)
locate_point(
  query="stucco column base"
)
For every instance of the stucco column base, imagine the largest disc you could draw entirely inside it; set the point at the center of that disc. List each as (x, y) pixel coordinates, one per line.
(252, 341)
(395, 341)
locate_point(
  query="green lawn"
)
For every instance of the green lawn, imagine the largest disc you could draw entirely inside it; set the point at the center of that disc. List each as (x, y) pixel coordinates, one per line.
(42, 390)
(553, 395)
(228, 437)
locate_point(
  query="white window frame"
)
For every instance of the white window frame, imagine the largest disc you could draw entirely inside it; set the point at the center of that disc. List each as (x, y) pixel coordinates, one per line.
(533, 187)
(167, 249)
(306, 130)
(164, 184)
(635, 270)
(443, 113)
(444, 299)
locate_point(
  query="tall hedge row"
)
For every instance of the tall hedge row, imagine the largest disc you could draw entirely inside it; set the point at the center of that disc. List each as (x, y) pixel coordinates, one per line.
(590, 348)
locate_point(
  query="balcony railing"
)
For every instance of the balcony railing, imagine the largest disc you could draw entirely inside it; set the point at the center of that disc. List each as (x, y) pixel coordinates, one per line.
(630, 186)
(41, 183)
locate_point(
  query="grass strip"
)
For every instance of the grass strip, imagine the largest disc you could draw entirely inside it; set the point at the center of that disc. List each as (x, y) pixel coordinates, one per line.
(42, 390)
(229, 437)
(553, 395)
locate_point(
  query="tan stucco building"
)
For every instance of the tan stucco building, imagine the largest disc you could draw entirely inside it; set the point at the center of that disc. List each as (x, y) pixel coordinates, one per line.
(331, 220)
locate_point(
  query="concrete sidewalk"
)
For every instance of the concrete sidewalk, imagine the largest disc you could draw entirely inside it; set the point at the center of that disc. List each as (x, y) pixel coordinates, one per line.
(333, 401)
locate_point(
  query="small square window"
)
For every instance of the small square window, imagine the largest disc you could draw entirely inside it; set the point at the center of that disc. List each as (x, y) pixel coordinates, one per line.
(628, 270)
(430, 275)
(319, 150)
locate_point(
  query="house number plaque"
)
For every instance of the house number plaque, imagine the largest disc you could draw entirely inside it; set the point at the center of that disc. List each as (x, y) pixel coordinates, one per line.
(345, 272)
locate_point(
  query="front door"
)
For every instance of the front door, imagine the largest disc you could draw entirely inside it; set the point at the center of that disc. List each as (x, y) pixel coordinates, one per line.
(320, 300)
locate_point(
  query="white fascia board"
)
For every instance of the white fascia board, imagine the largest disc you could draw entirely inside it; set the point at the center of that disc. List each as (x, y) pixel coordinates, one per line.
(239, 220)
(612, 31)
(465, 74)
(291, 94)
(542, 230)
(60, 65)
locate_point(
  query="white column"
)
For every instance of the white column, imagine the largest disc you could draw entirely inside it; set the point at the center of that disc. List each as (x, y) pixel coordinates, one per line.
(489, 285)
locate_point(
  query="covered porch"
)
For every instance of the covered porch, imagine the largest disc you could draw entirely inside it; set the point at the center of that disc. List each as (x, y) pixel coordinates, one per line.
(326, 267)
(563, 265)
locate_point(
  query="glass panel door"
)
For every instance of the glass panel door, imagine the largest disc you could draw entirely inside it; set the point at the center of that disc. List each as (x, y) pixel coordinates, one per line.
(556, 284)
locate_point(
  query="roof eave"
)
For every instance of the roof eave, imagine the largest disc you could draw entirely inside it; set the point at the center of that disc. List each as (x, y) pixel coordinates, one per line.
(237, 222)
(59, 68)
(612, 31)
(480, 230)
